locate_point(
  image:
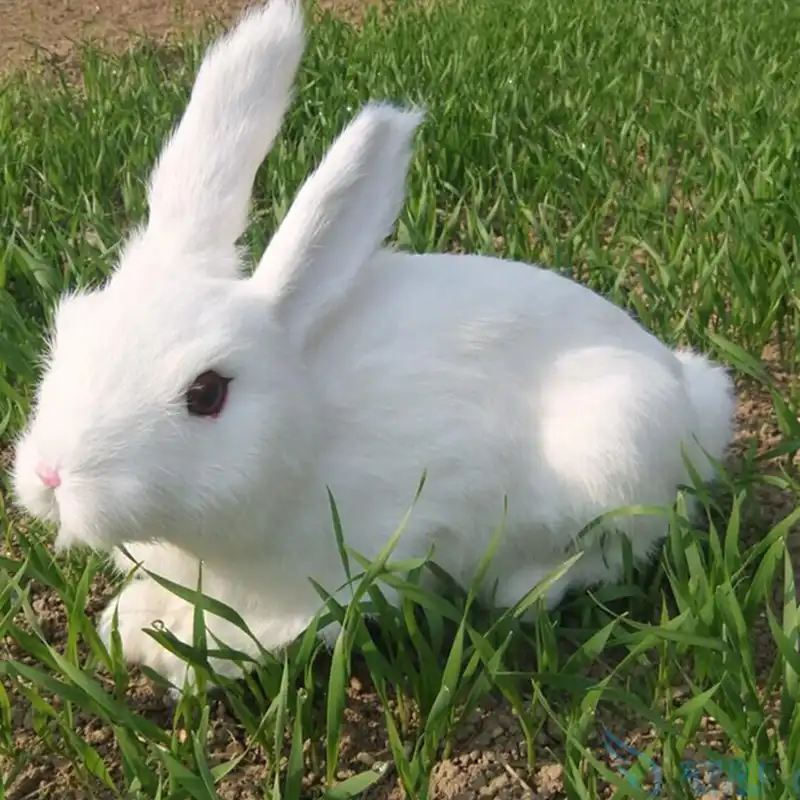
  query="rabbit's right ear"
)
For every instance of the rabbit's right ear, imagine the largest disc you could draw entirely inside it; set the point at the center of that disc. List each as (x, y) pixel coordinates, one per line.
(338, 220)
(200, 187)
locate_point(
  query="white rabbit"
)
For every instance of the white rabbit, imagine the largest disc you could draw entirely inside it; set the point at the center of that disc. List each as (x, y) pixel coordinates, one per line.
(193, 412)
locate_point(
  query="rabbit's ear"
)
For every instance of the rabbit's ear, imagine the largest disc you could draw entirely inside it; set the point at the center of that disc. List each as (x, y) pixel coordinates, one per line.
(200, 187)
(339, 219)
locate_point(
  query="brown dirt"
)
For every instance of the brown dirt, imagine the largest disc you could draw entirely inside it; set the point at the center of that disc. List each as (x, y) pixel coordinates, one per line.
(489, 756)
(55, 27)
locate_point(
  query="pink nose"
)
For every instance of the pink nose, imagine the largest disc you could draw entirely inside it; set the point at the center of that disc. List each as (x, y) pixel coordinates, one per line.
(48, 476)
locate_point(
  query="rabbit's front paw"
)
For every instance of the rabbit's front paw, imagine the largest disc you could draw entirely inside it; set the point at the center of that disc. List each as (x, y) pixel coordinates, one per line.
(145, 604)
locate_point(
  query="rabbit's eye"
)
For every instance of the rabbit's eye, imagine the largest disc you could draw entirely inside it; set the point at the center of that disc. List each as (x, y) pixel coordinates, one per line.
(206, 396)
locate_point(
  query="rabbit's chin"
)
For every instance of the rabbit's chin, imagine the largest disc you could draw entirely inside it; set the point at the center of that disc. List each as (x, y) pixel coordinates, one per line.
(69, 537)
(81, 524)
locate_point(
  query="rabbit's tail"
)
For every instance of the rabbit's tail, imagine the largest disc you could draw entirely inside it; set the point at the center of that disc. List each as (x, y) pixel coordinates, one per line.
(711, 392)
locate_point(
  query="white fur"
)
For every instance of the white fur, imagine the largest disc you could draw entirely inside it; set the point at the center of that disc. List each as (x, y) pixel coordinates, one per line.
(353, 368)
(200, 187)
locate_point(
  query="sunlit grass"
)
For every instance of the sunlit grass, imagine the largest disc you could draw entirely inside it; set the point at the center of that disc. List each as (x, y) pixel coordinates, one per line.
(652, 149)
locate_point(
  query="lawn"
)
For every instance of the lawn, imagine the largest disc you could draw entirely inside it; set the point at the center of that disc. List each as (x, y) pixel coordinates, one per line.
(651, 150)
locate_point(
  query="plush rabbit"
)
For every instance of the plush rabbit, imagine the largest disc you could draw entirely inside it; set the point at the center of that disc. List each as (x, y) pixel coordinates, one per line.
(191, 412)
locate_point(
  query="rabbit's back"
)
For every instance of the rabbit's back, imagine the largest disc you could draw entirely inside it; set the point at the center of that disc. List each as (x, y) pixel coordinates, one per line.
(496, 378)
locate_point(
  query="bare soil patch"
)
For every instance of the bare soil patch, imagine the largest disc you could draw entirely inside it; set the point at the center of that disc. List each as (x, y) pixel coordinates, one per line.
(55, 27)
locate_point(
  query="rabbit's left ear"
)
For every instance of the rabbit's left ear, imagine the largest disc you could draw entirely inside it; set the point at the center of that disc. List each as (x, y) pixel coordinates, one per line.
(339, 219)
(200, 187)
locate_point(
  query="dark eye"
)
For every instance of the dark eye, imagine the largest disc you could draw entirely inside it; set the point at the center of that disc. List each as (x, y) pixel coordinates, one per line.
(206, 396)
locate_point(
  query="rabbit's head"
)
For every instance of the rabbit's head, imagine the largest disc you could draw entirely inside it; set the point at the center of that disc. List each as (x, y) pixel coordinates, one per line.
(175, 397)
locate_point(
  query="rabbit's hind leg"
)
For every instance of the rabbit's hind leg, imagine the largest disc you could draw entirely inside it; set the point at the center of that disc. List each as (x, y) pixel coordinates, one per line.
(516, 586)
(602, 562)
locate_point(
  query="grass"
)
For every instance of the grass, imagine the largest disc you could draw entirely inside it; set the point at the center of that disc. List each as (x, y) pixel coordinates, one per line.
(649, 147)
